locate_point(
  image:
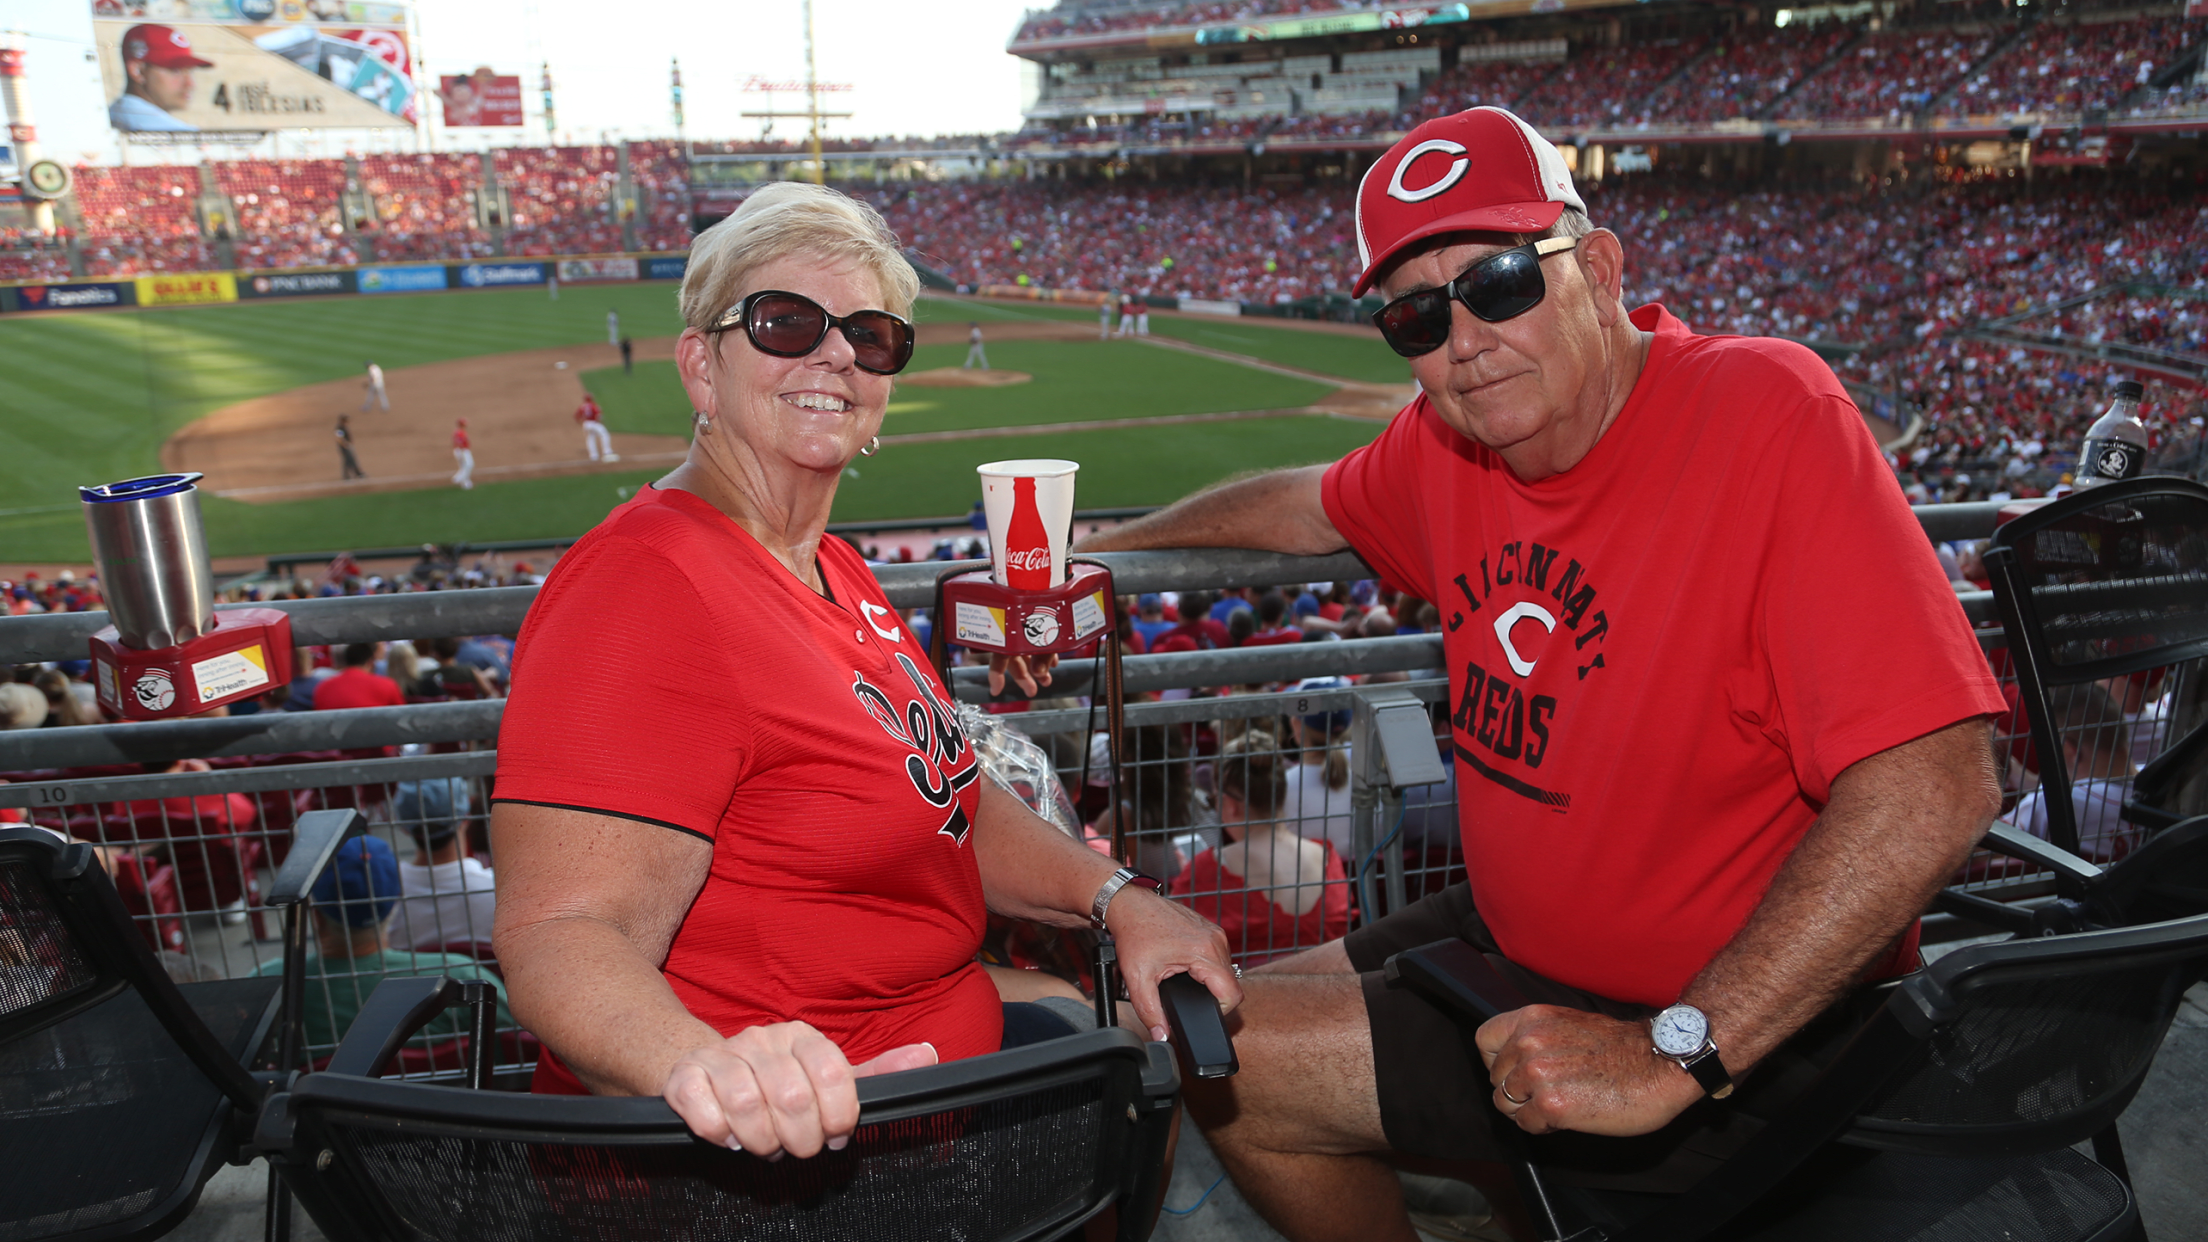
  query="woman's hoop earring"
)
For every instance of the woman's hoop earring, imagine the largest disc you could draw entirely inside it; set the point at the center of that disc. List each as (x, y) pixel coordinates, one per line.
(873, 446)
(704, 424)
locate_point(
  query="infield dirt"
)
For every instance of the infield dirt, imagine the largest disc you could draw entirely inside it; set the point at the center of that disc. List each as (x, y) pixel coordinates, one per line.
(520, 409)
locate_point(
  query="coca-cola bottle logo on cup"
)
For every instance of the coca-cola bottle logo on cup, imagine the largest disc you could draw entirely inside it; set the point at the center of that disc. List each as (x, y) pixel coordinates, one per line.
(1029, 506)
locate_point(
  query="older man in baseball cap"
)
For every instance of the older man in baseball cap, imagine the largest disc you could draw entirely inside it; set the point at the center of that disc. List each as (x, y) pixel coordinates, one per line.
(157, 63)
(1719, 724)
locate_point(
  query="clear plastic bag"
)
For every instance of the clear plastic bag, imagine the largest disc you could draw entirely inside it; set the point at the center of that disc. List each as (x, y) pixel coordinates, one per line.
(1019, 767)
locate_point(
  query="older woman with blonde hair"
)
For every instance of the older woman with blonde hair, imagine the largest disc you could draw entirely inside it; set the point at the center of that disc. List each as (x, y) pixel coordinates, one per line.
(745, 852)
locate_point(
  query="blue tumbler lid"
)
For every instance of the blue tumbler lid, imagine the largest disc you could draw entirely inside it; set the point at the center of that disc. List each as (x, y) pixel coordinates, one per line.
(152, 487)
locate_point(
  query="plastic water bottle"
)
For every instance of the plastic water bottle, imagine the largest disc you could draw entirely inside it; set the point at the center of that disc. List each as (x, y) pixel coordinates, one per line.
(2116, 444)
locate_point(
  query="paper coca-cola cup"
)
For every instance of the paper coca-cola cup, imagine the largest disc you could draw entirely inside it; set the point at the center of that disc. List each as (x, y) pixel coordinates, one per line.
(1029, 504)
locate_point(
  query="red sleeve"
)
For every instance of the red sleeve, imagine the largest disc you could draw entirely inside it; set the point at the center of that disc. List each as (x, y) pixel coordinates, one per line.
(623, 703)
(1869, 647)
(1373, 497)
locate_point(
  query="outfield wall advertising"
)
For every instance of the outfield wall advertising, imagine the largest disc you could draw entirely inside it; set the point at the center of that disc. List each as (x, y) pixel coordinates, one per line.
(412, 279)
(76, 296)
(579, 271)
(496, 275)
(254, 65)
(296, 284)
(187, 288)
(200, 288)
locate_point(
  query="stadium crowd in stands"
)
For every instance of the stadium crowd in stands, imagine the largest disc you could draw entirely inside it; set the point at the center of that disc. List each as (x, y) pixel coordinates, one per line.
(2065, 67)
(289, 211)
(1889, 74)
(1746, 72)
(1250, 245)
(562, 200)
(424, 205)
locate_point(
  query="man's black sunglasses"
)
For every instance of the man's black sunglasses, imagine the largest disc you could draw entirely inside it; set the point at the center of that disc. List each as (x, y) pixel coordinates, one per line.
(790, 325)
(1501, 286)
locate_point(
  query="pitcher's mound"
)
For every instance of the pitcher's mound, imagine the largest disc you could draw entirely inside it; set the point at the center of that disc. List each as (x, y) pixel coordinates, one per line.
(960, 377)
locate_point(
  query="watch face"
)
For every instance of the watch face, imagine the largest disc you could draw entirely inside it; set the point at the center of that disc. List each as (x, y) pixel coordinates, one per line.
(1680, 1030)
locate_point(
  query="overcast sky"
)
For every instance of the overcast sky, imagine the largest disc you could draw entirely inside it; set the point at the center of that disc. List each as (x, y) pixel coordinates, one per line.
(928, 68)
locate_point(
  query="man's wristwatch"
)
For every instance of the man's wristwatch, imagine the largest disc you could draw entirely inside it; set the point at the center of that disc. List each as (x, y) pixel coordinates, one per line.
(1682, 1034)
(1120, 879)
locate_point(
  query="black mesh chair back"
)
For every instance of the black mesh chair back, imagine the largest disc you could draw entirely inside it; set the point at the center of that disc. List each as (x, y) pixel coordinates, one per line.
(119, 1091)
(2102, 584)
(1021, 1144)
(2043, 1043)
(1956, 1106)
(45, 975)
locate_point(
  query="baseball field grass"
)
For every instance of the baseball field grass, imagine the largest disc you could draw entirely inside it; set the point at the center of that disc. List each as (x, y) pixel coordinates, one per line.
(1074, 381)
(90, 397)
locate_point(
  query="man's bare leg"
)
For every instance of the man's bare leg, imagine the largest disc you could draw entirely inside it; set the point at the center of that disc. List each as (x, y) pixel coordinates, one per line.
(1299, 1127)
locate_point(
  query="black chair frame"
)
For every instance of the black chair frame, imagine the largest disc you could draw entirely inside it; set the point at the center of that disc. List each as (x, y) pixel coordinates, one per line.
(2030, 645)
(1884, 1051)
(119, 960)
(301, 1127)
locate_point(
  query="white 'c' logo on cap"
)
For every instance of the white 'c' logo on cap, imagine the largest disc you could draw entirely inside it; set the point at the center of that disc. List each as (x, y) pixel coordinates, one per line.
(1457, 169)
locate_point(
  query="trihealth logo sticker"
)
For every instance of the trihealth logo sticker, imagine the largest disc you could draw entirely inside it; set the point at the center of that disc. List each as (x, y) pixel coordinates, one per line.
(230, 674)
(979, 626)
(1088, 615)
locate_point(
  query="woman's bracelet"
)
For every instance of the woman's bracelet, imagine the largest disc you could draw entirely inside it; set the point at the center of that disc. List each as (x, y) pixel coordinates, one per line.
(1119, 880)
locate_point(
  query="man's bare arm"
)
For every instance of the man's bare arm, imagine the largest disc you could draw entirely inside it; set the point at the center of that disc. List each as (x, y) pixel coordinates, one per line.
(1897, 825)
(1278, 511)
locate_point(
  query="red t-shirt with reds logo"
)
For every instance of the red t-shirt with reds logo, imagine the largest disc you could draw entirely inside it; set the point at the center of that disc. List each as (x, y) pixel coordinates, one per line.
(674, 673)
(460, 439)
(1662, 657)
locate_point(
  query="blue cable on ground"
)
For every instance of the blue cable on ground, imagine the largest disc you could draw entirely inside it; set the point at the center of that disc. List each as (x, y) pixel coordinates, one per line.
(1200, 1199)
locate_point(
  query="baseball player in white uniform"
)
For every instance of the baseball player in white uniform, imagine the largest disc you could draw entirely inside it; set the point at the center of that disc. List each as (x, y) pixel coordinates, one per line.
(374, 385)
(597, 441)
(975, 355)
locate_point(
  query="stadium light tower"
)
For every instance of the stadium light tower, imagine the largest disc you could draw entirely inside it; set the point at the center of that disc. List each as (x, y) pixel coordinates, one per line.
(23, 130)
(812, 98)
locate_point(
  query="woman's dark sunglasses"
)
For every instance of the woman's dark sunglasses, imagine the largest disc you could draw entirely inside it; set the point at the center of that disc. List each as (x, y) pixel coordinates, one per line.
(789, 325)
(1501, 286)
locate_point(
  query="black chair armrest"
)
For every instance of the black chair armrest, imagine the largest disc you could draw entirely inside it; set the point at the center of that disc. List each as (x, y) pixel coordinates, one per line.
(1198, 1032)
(397, 1011)
(2173, 861)
(2016, 843)
(1456, 978)
(314, 842)
(2016, 920)
(2153, 780)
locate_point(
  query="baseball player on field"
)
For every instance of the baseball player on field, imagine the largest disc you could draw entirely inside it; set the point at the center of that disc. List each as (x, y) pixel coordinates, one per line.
(596, 440)
(464, 477)
(374, 385)
(350, 463)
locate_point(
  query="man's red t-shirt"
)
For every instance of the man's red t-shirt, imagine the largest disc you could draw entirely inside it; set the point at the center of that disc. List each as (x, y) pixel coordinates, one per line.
(673, 673)
(357, 687)
(1663, 656)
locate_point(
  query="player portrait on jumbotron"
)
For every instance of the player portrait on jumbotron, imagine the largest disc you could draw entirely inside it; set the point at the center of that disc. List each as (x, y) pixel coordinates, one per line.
(157, 67)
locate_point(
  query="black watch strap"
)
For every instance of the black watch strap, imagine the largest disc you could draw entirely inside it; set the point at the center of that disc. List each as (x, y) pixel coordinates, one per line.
(1710, 1072)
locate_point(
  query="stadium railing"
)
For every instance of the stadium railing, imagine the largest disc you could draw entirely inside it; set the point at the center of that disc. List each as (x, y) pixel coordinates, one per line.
(1391, 825)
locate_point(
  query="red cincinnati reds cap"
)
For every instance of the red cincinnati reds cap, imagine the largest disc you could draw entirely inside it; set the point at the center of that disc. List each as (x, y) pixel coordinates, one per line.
(1482, 169)
(159, 45)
